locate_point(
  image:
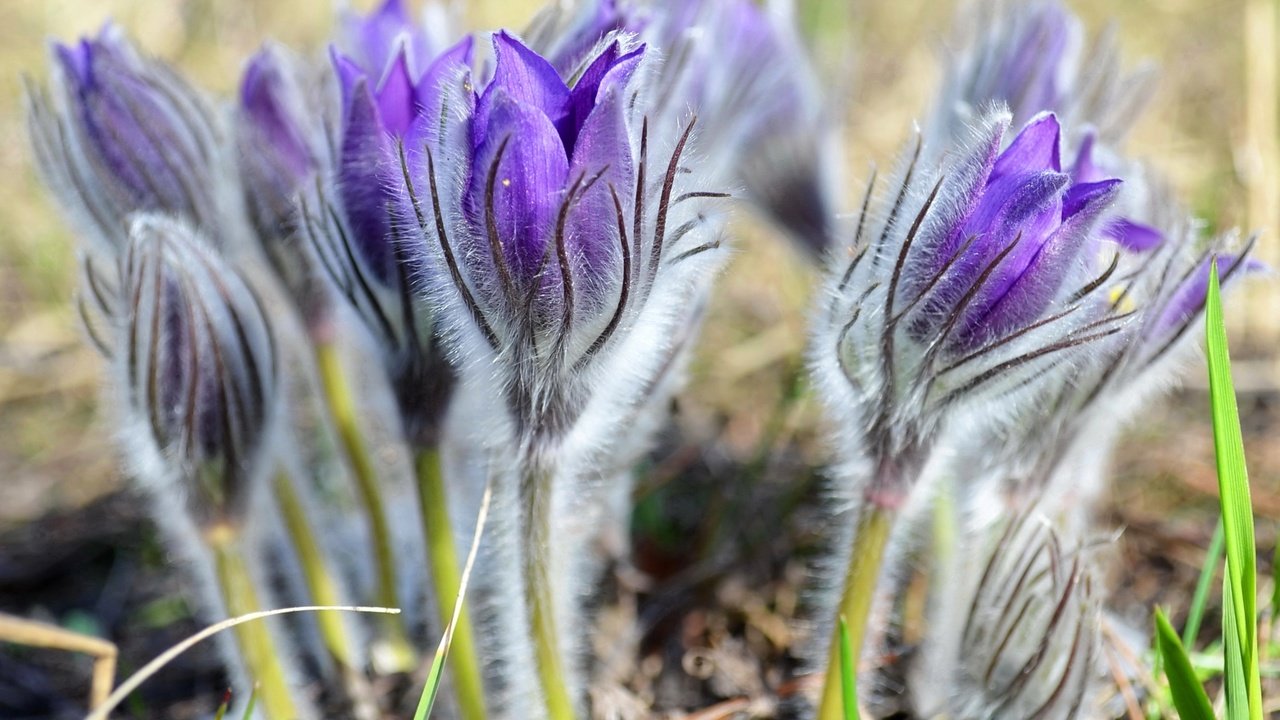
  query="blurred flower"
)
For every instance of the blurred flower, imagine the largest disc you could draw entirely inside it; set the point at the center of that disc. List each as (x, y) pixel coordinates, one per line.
(122, 134)
(279, 136)
(196, 371)
(1032, 57)
(1015, 629)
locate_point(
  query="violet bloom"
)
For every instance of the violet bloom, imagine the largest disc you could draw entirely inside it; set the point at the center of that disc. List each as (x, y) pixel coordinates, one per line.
(122, 134)
(565, 226)
(279, 138)
(389, 76)
(197, 371)
(568, 248)
(1030, 57)
(1033, 57)
(970, 284)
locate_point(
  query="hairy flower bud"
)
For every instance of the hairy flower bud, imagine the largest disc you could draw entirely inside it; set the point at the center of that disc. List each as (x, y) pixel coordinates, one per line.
(1017, 632)
(196, 370)
(123, 134)
(557, 238)
(972, 283)
(279, 138)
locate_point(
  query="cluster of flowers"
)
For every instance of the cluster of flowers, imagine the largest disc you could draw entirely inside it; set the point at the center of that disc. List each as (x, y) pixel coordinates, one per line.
(387, 288)
(997, 318)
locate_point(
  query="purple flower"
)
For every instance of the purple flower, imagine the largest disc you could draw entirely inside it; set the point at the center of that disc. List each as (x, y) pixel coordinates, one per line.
(974, 283)
(566, 216)
(998, 264)
(197, 368)
(543, 159)
(391, 78)
(277, 136)
(123, 134)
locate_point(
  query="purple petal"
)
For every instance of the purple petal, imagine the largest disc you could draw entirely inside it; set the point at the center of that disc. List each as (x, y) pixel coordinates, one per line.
(268, 110)
(526, 77)
(1022, 297)
(451, 64)
(362, 186)
(603, 150)
(349, 74)
(617, 70)
(1034, 149)
(1133, 236)
(374, 39)
(528, 184)
(1085, 170)
(396, 101)
(1187, 300)
(1085, 195)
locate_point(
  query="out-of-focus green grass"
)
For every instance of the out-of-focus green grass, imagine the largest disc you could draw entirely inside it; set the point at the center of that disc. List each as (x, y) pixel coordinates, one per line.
(53, 452)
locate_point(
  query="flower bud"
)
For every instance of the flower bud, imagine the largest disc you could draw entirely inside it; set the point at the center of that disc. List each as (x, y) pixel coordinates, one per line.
(123, 134)
(197, 370)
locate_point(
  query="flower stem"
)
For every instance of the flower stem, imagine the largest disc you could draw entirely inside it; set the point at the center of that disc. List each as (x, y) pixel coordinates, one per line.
(447, 577)
(255, 640)
(870, 535)
(342, 406)
(536, 491)
(314, 569)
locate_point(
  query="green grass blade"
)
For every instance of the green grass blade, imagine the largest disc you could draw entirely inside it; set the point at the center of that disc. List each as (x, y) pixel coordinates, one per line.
(432, 687)
(253, 703)
(1189, 696)
(222, 707)
(1275, 575)
(1212, 558)
(1235, 685)
(1233, 492)
(848, 673)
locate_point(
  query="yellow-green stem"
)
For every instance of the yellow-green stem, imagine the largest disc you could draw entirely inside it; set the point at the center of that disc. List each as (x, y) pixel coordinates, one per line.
(870, 535)
(256, 645)
(446, 574)
(324, 591)
(537, 592)
(342, 407)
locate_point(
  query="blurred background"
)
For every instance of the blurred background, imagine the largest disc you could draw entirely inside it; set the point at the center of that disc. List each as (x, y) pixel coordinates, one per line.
(1212, 128)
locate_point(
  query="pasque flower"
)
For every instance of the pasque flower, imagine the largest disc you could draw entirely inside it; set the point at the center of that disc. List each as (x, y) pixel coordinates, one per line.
(969, 284)
(122, 133)
(569, 250)
(963, 295)
(197, 370)
(1014, 630)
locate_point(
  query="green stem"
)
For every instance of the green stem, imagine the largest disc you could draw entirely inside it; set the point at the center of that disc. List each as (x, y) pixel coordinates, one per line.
(870, 535)
(255, 640)
(536, 493)
(342, 407)
(446, 574)
(315, 570)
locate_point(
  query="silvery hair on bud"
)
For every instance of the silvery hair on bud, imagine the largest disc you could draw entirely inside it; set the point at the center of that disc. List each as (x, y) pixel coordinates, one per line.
(1013, 625)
